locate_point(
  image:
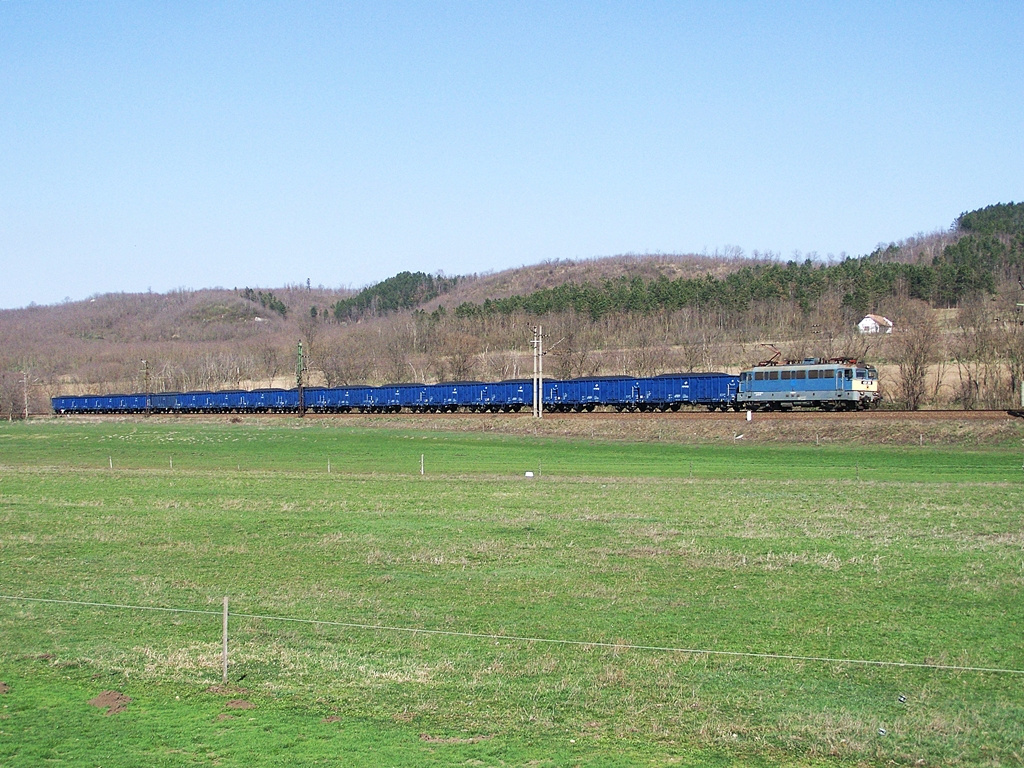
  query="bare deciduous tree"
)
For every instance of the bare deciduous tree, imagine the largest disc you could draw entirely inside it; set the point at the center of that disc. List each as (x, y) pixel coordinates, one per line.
(647, 354)
(1013, 343)
(698, 350)
(456, 360)
(335, 364)
(11, 395)
(975, 350)
(504, 364)
(915, 346)
(311, 329)
(395, 344)
(268, 356)
(573, 355)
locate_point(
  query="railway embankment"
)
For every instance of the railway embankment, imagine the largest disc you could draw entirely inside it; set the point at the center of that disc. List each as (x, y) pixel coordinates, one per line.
(881, 427)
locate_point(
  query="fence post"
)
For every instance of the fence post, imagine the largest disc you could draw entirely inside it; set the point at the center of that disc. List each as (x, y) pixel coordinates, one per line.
(224, 652)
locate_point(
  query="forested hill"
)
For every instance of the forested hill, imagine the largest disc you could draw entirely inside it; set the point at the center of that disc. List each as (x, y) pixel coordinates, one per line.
(994, 220)
(988, 250)
(405, 290)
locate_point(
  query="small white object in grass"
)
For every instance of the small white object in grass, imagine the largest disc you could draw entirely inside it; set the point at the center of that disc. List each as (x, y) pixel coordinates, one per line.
(529, 474)
(881, 731)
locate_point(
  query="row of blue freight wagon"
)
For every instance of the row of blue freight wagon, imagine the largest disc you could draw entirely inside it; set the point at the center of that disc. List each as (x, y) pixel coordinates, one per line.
(624, 393)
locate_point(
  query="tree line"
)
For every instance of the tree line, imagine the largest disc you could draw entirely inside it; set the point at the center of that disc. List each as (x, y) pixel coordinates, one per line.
(405, 290)
(990, 251)
(266, 299)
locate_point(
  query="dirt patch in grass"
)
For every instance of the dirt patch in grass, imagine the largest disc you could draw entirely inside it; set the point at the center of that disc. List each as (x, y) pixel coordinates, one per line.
(112, 701)
(240, 704)
(4, 688)
(452, 739)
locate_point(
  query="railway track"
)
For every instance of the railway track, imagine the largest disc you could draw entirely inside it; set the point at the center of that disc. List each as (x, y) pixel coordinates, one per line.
(694, 415)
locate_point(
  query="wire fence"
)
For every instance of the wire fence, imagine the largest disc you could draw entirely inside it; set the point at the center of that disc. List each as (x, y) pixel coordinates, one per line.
(620, 464)
(522, 639)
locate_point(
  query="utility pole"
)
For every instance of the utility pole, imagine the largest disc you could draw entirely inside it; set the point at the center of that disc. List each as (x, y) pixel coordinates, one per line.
(24, 381)
(538, 371)
(145, 368)
(299, 368)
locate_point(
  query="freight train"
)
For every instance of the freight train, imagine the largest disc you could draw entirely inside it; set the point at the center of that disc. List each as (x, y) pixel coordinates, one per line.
(835, 384)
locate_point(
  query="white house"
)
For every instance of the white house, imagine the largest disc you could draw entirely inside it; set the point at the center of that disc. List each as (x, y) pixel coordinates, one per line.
(875, 324)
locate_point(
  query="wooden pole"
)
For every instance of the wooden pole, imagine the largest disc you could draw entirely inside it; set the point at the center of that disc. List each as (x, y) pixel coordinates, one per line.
(224, 651)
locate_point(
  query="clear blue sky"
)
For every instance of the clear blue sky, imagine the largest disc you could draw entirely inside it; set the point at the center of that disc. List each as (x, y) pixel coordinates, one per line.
(179, 144)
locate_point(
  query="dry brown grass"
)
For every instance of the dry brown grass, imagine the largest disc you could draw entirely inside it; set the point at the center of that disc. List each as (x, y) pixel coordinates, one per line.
(888, 428)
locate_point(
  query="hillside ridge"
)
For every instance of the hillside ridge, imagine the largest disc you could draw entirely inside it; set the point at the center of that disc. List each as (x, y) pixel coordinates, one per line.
(631, 313)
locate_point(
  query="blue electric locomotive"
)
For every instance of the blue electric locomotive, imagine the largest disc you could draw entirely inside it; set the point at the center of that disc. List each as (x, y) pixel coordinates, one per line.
(839, 384)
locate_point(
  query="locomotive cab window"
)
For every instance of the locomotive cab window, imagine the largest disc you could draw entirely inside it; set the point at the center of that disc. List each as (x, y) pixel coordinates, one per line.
(812, 373)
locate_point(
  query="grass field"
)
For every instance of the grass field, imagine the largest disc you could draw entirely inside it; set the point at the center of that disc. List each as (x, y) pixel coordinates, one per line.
(632, 603)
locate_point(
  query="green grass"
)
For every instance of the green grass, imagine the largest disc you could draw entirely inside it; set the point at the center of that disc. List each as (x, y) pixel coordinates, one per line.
(299, 447)
(859, 553)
